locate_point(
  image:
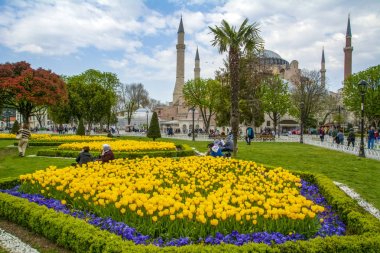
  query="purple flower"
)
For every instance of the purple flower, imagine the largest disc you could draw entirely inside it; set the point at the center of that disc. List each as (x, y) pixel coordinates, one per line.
(331, 225)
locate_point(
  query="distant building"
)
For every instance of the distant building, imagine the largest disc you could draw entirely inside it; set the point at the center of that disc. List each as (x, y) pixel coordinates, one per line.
(272, 63)
(177, 114)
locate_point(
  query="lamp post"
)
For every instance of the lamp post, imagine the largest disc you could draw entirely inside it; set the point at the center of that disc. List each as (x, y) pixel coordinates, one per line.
(362, 88)
(302, 105)
(147, 123)
(193, 128)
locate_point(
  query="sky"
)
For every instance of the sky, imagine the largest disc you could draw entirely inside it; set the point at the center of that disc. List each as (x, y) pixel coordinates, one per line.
(137, 39)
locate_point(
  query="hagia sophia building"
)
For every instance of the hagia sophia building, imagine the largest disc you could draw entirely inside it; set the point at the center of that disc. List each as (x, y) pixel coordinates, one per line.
(178, 115)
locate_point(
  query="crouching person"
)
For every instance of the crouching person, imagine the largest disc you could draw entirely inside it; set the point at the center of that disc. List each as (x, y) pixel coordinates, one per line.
(214, 150)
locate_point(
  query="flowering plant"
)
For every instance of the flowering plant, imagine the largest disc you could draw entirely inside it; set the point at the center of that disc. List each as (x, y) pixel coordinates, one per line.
(189, 197)
(121, 145)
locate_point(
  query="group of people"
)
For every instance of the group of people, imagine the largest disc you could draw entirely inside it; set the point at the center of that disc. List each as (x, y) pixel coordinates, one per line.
(24, 134)
(85, 155)
(216, 148)
(338, 137)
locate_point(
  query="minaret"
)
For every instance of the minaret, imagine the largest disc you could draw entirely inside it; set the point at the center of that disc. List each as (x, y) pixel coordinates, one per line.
(197, 69)
(323, 69)
(180, 74)
(348, 52)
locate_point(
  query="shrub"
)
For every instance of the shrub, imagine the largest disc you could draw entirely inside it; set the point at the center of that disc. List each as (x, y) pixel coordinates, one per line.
(154, 128)
(15, 127)
(81, 130)
(182, 150)
(78, 236)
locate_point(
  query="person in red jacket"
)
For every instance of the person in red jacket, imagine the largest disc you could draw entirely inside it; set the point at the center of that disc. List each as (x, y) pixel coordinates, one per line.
(107, 154)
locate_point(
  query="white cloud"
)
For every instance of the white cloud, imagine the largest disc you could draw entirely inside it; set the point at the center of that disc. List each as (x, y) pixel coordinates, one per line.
(64, 27)
(141, 41)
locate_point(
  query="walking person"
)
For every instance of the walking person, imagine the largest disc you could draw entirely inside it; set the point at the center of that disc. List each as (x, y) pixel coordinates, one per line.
(23, 142)
(322, 134)
(371, 138)
(351, 138)
(249, 135)
(340, 137)
(334, 133)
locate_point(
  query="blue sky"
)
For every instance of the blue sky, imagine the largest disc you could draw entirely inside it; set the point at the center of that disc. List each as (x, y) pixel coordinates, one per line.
(136, 39)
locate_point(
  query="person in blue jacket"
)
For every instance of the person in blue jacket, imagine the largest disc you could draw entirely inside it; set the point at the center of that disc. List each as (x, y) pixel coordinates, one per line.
(214, 150)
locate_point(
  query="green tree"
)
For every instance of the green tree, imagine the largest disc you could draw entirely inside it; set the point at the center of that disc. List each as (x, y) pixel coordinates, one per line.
(233, 41)
(81, 130)
(61, 113)
(92, 95)
(15, 127)
(252, 111)
(203, 95)
(154, 128)
(352, 98)
(223, 102)
(276, 98)
(307, 95)
(330, 103)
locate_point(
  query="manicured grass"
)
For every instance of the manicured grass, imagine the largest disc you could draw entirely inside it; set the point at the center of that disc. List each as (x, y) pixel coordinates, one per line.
(11, 165)
(363, 175)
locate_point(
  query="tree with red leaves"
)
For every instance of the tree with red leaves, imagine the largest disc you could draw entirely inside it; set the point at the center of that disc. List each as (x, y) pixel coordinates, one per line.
(25, 88)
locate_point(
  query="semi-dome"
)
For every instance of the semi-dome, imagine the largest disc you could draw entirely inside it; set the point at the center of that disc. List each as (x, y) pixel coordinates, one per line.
(272, 58)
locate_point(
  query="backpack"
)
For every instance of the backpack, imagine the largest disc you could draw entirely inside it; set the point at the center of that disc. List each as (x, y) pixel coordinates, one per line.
(250, 132)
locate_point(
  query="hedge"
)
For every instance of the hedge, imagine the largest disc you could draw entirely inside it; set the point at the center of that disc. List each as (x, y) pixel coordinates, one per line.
(78, 236)
(42, 143)
(182, 150)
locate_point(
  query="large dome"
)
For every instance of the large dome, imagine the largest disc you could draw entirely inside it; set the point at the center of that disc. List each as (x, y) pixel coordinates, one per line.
(272, 58)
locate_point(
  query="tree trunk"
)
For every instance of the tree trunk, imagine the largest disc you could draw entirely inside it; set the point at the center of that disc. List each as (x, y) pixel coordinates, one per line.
(25, 110)
(325, 118)
(235, 86)
(275, 118)
(206, 118)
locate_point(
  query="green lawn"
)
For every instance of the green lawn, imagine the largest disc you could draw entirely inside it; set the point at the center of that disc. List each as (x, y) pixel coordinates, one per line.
(363, 175)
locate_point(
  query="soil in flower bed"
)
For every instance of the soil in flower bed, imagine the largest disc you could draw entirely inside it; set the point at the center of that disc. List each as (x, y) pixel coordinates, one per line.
(36, 241)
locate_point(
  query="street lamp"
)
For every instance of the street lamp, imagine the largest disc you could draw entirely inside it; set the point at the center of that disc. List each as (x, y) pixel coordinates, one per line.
(362, 88)
(192, 130)
(302, 106)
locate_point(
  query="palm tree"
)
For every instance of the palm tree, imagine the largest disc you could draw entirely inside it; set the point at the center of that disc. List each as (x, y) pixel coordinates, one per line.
(246, 39)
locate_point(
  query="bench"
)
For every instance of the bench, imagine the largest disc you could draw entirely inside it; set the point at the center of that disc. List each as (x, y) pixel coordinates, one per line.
(265, 137)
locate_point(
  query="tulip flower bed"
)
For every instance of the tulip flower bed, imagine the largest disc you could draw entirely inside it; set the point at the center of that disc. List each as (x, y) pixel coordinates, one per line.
(67, 138)
(58, 138)
(189, 200)
(121, 145)
(7, 136)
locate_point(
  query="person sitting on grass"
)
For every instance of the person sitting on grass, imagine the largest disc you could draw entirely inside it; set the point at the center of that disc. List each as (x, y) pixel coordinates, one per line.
(214, 150)
(107, 154)
(229, 144)
(84, 156)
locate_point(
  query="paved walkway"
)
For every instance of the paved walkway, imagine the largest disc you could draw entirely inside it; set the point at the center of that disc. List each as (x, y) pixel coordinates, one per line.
(308, 139)
(329, 144)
